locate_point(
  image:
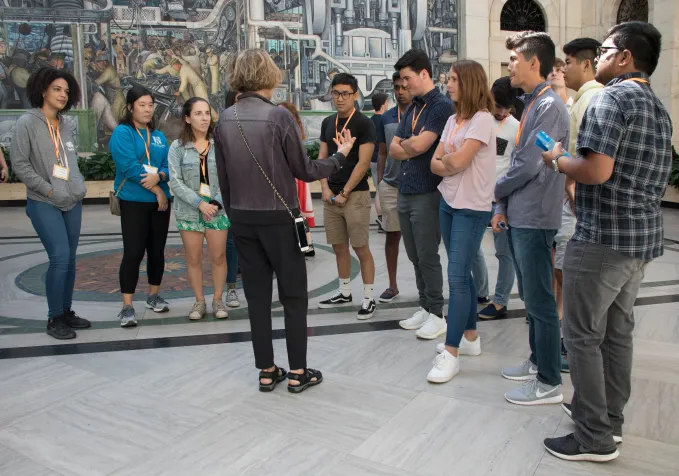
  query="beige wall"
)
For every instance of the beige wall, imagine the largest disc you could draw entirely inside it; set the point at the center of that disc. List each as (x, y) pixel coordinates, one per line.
(567, 20)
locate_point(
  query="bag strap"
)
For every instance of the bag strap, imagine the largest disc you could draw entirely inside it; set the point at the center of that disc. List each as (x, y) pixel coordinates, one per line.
(120, 187)
(260, 167)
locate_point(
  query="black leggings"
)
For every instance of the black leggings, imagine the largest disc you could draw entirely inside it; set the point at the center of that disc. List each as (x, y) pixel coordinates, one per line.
(144, 230)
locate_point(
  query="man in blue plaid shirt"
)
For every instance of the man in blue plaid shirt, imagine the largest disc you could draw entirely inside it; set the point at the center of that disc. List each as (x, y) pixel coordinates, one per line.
(621, 166)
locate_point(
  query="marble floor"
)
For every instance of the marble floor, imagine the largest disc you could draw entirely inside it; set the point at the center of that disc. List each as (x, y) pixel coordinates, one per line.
(177, 398)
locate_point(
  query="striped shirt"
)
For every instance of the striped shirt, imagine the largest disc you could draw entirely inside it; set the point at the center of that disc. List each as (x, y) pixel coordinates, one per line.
(626, 121)
(431, 112)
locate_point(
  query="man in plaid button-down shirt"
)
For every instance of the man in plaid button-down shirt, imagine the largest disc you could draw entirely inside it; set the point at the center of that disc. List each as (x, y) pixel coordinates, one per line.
(622, 166)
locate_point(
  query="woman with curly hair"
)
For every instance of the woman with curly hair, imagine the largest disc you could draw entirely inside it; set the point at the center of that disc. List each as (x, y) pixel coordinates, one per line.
(45, 159)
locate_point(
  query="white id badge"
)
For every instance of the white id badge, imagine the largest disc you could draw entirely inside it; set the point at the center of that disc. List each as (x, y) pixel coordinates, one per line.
(150, 170)
(60, 172)
(205, 190)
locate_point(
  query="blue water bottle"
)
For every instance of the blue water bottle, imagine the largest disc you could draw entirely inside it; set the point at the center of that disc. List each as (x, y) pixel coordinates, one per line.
(546, 143)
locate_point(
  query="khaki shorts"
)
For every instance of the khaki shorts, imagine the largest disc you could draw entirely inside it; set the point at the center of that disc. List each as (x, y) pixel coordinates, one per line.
(389, 204)
(348, 223)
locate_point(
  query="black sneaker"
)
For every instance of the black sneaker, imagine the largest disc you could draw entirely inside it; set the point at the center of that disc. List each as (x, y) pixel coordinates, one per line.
(337, 300)
(367, 310)
(490, 312)
(569, 449)
(74, 321)
(157, 303)
(57, 328)
(483, 300)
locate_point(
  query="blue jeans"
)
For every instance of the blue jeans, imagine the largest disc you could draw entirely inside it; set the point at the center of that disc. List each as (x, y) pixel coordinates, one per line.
(59, 233)
(231, 259)
(505, 272)
(462, 232)
(532, 253)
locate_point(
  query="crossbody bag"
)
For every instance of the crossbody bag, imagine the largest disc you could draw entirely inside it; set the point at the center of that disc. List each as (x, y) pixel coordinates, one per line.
(301, 225)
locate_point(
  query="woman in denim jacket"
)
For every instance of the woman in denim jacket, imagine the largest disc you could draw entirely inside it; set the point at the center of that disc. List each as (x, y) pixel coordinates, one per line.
(198, 204)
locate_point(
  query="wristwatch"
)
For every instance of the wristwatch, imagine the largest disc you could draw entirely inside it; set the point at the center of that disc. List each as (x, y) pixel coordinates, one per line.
(555, 163)
(344, 194)
(161, 175)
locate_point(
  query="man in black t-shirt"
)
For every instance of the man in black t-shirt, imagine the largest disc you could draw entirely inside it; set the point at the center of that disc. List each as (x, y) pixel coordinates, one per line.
(347, 195)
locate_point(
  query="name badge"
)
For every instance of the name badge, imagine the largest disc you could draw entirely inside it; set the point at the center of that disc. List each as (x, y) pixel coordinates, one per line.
(150, 170)
(60, 172)
(205, 190)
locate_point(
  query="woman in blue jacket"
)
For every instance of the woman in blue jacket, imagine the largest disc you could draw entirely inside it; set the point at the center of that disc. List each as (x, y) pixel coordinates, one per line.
(140, 154)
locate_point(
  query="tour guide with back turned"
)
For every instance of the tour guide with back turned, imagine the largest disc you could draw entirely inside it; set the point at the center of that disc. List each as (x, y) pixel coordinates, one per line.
(264, 231)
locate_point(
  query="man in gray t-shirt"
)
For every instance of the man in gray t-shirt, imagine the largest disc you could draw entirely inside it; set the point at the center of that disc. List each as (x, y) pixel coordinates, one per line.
(388, 175)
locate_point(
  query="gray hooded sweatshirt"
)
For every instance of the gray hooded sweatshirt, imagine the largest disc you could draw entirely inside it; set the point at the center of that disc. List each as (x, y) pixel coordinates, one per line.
(33, 159)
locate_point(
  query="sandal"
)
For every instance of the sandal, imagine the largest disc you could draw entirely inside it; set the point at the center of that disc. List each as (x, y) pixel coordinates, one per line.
(276, 376)
(305, 380)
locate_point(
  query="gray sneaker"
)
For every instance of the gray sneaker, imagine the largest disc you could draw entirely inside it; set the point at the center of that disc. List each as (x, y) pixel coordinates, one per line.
(158, 304)
(219, 309)
(232, 298)
(198, 310)
(527, 370)
(535, 392)
(127, 316)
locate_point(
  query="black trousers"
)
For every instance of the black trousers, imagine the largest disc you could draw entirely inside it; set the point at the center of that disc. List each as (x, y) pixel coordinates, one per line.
(263, 250)
(144, 231)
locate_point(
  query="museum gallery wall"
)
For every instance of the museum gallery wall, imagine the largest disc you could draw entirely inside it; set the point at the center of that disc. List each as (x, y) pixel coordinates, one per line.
(179, 49)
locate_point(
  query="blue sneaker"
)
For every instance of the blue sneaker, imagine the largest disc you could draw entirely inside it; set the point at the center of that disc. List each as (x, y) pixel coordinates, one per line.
(564, 365)
(490, 312)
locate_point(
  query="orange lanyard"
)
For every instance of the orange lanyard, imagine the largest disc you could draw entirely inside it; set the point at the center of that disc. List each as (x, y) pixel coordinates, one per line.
(453, 133)
(55, 135)
(525, 113)
(416, 118)
(338, 135)
(398, 108)
(203, 162)
(147, 143)
(637, 80)
(501, 124)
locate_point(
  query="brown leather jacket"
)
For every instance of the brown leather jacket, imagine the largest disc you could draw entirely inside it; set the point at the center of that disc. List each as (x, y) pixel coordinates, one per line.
(276, 142)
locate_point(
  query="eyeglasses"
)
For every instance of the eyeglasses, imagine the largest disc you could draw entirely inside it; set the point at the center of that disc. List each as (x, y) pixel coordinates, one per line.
(602, 50)
(343, 94)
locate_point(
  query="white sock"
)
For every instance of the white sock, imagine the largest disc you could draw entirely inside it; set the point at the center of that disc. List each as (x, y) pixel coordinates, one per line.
(368, 291)
(345, 287)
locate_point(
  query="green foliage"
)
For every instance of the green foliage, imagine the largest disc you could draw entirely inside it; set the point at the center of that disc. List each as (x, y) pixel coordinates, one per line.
(312, 149)
(674, 176)
(12, 176)
(97, 167)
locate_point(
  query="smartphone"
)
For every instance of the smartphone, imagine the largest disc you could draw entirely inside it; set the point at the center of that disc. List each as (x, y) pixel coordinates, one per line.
(216, 204)
(301, 228)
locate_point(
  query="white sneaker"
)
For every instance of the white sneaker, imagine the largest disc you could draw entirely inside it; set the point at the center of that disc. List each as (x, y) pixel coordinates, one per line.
(466, 347)
(416, 321)
(446, 366)
(434, 327)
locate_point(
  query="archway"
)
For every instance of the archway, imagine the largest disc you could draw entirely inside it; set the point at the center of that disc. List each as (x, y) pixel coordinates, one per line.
(521, 15)
(632, 10)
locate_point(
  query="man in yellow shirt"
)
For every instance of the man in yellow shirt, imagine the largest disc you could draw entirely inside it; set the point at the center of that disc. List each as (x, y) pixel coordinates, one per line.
(579, 76)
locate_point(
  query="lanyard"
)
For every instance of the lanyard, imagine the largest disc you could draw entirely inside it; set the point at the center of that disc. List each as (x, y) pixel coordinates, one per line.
(637, 80)
(525, 113)
(453, 133)
(147, 143)
(55, 135)
(416, 118)
(398, 108)
(338, 134)
(203, 164)
(502, 123)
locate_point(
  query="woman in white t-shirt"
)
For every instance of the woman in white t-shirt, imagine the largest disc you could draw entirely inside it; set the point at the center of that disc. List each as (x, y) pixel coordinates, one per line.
(465, 158)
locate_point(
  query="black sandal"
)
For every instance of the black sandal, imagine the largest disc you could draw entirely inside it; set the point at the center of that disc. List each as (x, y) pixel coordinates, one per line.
(276, 376)
(305, 380)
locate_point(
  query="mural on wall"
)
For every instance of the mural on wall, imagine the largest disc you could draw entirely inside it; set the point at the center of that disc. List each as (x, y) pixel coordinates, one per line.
(182, 48)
